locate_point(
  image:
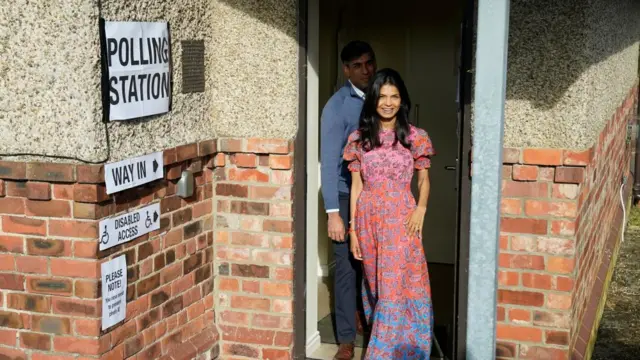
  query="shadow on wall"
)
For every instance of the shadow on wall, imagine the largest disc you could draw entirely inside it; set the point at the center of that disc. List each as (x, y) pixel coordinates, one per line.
(552, 43)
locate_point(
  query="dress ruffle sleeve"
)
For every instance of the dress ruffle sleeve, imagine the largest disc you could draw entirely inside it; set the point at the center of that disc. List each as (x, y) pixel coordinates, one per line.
(421, 149)
(352, 152)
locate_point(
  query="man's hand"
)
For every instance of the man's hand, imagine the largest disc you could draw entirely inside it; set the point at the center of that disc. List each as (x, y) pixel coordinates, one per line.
(336, 227)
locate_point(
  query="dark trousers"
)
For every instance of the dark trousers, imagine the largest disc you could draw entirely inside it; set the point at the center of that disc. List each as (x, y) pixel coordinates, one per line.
(347, 282)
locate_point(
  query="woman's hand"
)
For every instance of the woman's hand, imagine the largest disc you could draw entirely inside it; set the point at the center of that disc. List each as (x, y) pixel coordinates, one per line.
(415, 221)
(355, 246)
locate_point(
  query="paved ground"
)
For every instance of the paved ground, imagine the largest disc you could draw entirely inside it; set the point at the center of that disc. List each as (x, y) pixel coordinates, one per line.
(619, 332)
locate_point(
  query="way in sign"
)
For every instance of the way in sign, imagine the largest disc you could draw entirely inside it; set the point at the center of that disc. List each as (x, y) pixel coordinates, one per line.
(133, 172)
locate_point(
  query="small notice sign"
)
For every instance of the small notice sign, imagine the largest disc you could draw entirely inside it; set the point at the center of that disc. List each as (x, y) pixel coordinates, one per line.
(133, 172)
(123, 228)
(114, 291)
(138, 62)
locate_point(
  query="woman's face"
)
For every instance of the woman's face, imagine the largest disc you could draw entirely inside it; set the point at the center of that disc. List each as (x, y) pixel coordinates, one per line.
(389, 102)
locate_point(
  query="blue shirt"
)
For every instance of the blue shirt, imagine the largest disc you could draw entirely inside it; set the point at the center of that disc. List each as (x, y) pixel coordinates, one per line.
(340, 117)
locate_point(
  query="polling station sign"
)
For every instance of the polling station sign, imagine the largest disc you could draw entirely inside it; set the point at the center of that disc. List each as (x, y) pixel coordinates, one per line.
(136, 58)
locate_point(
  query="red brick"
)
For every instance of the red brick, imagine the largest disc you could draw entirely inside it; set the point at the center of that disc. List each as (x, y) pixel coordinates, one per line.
(69, 306)
(535, 352)
(26, 302)
(51, 325)
(2, 188)
(508, 278)
(12, 205)
(39, 356)
(564, 228)
(534, 262)
(523, 225)
(519, 316)
(577, 158)
(72, 228)
(560, 265)
(11, 282)
(567, 209)
(282, 306)
(282, 177)
(219, 160)
(186, 152)
(35, 341)
(90, 174)
(518, 333)
(13, 170)
(510, 156)
(525, 172)
(63, 191)
(78, 345)
(90, 193)
(123, 333)
(523, 298)
(51, 172)
(506, 350)
(551, 319)
(277, 289)
(244, 160)
(14, 320)
(546, 173)
(564, 283)
(32, 264)
(511, 206)
(53, 208)
(21, 225)
(75, 268)
(11, 354)
(268, 146)
(558, 301)
(270, 193)
(249, 175)
(8, 337)
(570, 175)
(276, 354)
(38, 190)
(228, 284)
(281, 226)
(566, 191)
(7, 263)
(207, 147)
(556, 337)
(13, 244)
(244, 302)
(281, 162)
(537, 281)
(525, 189)
(47, 247)
(542, 156)
(231, 145)
(555, 246)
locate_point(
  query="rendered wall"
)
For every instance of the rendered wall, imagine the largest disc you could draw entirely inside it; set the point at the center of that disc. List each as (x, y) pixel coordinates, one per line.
(570, 63)
(50, 101)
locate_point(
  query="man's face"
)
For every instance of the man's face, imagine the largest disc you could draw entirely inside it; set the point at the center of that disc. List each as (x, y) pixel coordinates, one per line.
(360, 70)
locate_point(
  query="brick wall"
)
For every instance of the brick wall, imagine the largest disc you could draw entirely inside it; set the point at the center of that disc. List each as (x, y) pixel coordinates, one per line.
(254, 248)
(558, 210)
(50, 297)
(599, 220)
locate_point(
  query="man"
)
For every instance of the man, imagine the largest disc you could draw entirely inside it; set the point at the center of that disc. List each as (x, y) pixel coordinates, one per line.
(340, 118)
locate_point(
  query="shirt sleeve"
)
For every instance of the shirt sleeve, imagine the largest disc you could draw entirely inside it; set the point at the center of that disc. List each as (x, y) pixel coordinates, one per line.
(422, 149)
(331, 142)
(352, 152)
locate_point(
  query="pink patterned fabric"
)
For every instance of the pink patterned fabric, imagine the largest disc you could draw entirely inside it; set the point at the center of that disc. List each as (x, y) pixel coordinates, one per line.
(396, 291)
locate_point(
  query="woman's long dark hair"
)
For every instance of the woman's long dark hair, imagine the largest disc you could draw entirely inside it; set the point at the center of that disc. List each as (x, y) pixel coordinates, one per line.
(369, 118)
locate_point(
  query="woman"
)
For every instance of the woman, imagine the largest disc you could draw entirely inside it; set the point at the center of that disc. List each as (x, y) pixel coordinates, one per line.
(386, 229)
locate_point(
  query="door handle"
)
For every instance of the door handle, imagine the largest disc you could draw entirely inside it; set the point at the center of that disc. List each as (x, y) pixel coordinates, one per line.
(450, 168)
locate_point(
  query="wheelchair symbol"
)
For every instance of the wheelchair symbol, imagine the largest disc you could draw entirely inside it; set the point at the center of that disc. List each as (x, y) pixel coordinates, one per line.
(147, 222)
(104, 239)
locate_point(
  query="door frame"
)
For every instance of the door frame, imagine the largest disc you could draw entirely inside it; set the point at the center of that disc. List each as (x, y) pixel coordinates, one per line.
(307, 181)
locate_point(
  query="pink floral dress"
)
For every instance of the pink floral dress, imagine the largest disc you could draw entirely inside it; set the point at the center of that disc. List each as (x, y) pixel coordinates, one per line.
(396, 291)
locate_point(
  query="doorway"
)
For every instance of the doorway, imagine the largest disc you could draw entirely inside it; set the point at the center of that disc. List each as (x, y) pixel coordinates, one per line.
(423, 41)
